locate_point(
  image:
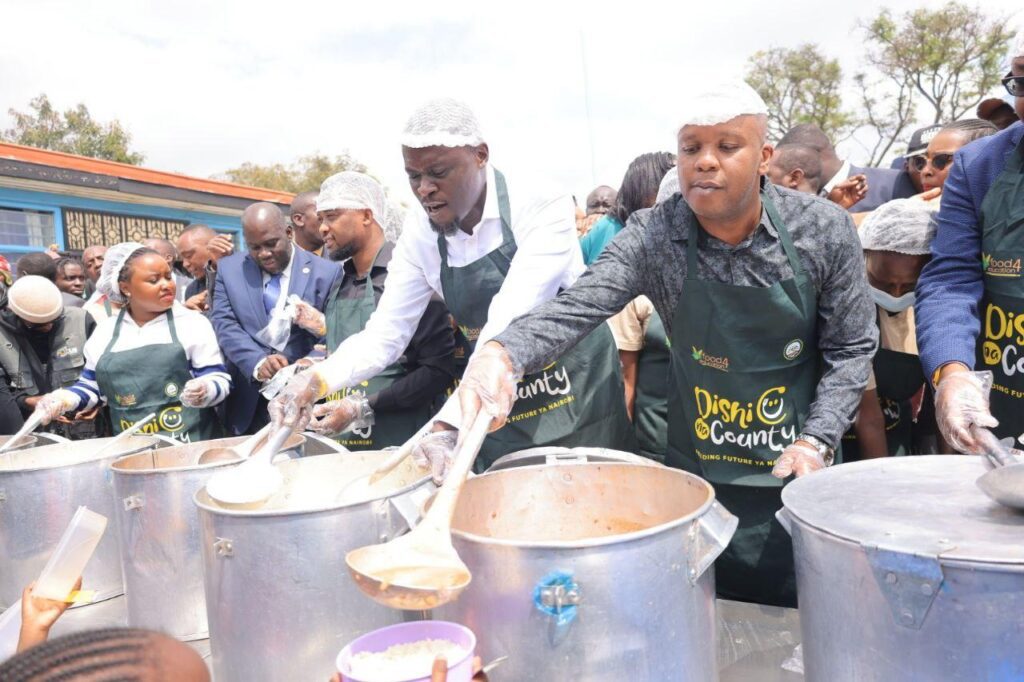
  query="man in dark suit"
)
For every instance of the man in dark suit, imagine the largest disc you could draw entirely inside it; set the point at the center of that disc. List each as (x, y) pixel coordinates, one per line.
(249, 299)
(200, 248)
(883, 184)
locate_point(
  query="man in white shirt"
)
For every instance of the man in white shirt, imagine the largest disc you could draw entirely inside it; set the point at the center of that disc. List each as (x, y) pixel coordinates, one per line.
(492, 257)
(252, 287)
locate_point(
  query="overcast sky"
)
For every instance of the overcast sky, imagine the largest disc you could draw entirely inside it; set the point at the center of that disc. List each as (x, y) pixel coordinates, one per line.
(205, 86)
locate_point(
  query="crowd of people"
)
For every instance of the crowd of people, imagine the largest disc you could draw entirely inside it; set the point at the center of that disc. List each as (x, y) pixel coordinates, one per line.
(773, 309)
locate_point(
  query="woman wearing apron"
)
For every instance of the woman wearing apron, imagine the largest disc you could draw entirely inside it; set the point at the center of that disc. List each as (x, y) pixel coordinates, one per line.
(153, 356)
(896, 238)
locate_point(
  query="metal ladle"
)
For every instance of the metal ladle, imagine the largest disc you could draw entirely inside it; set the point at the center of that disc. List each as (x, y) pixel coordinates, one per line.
(126, 434)
(242, 450)
(422, 570)
(31, 424)
(254, 480)
(1004, 483)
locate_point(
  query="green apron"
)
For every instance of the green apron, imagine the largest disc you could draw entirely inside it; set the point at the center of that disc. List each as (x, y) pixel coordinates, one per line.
(346, 317)
(898, 378)
(650, 411)
(578, 400)
(745, 365)
(149, 379)
(1001, 347)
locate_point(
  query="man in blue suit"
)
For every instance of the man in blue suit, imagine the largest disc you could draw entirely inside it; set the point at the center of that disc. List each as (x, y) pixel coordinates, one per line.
(249, 294)
(884, 184)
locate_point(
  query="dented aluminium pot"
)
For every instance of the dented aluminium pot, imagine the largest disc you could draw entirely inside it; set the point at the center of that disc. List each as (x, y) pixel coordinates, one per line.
(158, 528)
(591, 571)
(41, 488)
(906, 571)
(280, 601)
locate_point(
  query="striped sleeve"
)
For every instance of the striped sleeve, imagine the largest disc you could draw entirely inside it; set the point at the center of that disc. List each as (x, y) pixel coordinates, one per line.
(204, 356)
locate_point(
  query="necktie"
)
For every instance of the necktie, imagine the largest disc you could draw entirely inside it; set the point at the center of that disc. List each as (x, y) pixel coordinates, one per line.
(271, 292)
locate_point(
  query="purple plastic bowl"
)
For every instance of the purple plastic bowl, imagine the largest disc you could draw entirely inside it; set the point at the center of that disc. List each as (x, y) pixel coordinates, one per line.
(404, 633)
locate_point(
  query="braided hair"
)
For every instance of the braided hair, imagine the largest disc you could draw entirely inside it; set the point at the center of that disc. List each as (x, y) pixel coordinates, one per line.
(640, 184)
(105, 655)
(972, 129)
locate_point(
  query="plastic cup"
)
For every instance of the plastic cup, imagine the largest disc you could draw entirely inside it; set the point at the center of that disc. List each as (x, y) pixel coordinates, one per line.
(405, 633)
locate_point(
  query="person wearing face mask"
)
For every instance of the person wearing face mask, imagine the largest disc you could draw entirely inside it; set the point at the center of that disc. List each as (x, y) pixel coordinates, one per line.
(491, 256)
(155, 355)
(972, 291)
(896, 239)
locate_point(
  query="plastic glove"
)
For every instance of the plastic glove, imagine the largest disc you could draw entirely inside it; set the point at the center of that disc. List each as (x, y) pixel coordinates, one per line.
(292, 407)
(352, 411)
(799, 459)
(309, 318)
(53, 405)
(489, 384)
(436, 451)
(961, 400)
(196, 391)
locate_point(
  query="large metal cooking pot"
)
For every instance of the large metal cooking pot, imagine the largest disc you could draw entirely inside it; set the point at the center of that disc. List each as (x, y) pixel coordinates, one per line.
(907, 571)
(560, 455)
(40, 490)
(279, 598)
(591, 571)
(27, 441)
(159, 532)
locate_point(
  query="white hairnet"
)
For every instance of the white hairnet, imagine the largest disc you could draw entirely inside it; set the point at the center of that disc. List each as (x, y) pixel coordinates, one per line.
(113, 261)
(442, 123)
(350, 189)
(901, 225)
(669, 185)
(722, 101)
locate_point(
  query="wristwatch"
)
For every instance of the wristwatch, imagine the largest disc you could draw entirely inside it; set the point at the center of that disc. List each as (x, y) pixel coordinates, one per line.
(828, 454)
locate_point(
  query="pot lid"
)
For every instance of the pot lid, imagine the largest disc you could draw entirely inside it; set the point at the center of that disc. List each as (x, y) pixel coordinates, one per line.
(926, 505)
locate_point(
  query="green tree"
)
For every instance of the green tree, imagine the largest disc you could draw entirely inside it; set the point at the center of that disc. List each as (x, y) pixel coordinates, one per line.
(949, 56)
(801, 85)
(74, 131)
(305, 174)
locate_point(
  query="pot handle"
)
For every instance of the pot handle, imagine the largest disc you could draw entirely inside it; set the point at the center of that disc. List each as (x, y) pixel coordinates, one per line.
(709, 536)
(558, 595)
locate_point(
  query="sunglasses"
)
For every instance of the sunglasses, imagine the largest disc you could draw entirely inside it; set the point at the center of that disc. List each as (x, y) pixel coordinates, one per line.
(1014, 85)
(939, 161)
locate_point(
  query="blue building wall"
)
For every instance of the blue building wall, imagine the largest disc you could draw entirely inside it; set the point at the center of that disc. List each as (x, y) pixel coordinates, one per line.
(46, 201)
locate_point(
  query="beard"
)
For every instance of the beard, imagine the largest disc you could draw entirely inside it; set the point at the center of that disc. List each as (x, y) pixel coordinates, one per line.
(446, 230)
(341, 253)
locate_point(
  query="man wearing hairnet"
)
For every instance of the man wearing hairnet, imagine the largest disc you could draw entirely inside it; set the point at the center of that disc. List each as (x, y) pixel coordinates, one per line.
(492, 256)
(764, 299)
(896, 238)
(974, 284)
(402, 397)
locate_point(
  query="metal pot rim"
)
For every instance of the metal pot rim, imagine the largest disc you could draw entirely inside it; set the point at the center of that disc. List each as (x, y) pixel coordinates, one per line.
(188, 467)
(110, 458)
(605, 539)
(221, 511)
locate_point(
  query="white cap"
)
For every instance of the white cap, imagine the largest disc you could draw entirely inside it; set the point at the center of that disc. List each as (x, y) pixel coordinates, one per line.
(901, 226)
(442, 123)
(350, 189)
(722, 101)
(35, 299)
(113, 261)
(669, 185)
(1018, 46)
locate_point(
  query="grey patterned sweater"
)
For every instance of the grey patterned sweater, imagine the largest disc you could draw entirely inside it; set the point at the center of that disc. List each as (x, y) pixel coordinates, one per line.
(649, 257)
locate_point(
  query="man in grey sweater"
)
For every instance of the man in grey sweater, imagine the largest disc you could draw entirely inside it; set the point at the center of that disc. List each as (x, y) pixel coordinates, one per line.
(765, 301)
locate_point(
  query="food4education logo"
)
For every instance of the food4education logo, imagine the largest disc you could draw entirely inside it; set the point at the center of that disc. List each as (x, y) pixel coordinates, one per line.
(712, 361)
(1000, 267)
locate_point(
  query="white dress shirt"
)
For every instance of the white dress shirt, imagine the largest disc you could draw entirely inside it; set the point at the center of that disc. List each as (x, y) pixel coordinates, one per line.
(547, 259)
(195, 334)
(282, 298)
